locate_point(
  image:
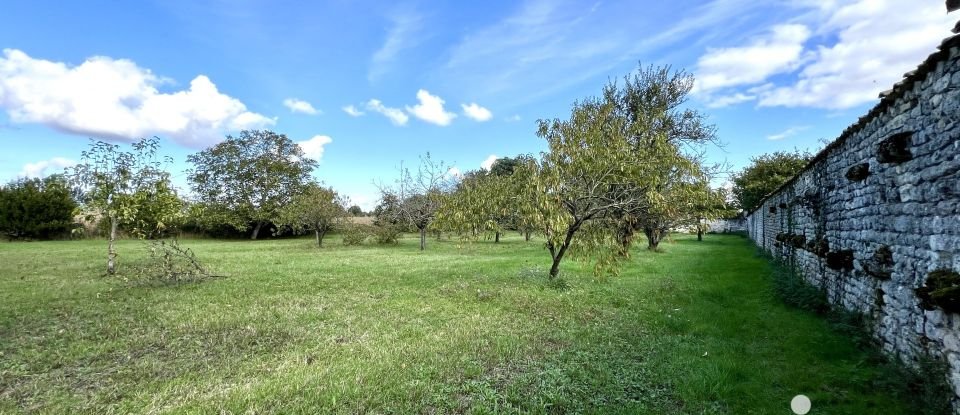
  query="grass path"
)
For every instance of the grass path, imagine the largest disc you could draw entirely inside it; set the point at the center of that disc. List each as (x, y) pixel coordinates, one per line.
(455, 329)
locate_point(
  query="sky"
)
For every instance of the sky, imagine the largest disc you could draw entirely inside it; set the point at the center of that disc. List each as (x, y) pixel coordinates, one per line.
(364, 86)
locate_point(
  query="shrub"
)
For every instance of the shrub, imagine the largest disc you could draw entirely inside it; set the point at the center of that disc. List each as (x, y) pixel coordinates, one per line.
(36, 209)
(819, 247)
(942, 290)
(386, 234)
(858, 172)
(355, 234)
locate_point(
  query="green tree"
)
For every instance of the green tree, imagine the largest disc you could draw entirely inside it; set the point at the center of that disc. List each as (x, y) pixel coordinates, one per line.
(504, 166)
(318, 209)
(246, 180)
(489, 202)
(765, 174)
(161, 210)
(355, 210)
(651, 103)
(119, 186)
(627, 153)
(36, 208)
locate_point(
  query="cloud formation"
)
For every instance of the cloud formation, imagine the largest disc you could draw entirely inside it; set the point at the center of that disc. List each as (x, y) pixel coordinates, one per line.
(487, 163)
(41, 168)
(396, 116)
(300, 106)
(430, 109)
(854, 50)
(476, 112)
(116, 99)
(313, 148)
(776, 52)
(789, 132)
(401, 36)
(352, 111)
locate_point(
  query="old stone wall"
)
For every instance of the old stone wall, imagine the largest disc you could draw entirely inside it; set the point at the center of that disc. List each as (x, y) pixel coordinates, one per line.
(874, 219)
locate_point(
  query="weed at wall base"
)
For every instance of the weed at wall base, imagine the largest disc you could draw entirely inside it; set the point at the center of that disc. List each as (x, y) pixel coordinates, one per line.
(926, 384)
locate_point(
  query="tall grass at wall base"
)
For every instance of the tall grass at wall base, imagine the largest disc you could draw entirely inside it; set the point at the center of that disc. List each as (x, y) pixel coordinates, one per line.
(926, 381)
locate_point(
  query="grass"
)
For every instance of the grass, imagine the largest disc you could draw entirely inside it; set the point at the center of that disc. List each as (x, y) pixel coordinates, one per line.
(456, 329)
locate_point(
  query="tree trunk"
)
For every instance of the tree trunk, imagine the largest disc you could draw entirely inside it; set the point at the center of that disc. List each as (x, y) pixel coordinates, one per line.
(625, 238)
(256, 230)
(496, 238)
(526, 235)
(111, 249)
(558, 254)
(699, 229)
(423, 239)
(319, 238)
(653, 237)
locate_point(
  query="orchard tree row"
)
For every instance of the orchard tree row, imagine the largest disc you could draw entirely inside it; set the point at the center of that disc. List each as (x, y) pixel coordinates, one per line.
(625, 163)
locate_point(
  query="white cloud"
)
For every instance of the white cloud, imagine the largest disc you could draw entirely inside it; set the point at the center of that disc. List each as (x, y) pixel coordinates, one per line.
(488, 162)
(352, 111)
(430, 109)
(728, 100)
(300, 106)
(546, 46)
(41, 168)
(857, 49)
(313, 148)
(776, 52)
(513, 118)
(877, 42)
(396, 116)
(476, 112)
(455, 172)
(115, 99)
(789, 132)
(401, 36)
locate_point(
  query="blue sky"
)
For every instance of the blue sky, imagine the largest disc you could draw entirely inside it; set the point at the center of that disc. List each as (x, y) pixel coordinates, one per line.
(366, 85)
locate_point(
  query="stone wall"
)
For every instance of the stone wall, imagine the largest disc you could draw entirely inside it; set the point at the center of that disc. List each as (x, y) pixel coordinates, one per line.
(878, 211)
(726, 225)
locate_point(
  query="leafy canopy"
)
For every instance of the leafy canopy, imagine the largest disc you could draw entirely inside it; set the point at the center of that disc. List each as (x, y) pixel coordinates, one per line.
(247, 179)
(765, 174)
(129, 188)
(36, 208)
(317, 208)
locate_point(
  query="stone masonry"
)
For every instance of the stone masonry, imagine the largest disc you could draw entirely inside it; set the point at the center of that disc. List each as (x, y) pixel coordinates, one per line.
(878, 211)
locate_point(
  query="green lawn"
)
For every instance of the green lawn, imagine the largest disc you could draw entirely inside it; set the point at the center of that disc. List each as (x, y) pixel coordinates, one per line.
(456, 329)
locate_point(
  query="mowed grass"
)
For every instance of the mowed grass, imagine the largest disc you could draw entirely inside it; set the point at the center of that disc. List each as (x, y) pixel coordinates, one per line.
(472, 328)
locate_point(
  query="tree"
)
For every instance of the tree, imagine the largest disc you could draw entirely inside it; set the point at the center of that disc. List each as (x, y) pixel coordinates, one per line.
(317, 208)
(765, 174)
(414, 199)
(160, 210)
(710, 205)
(488, 201)
(120, 187)
(624, 154)
(355, 210)
(36, 208)
(651, 102)
(246, 180)
(504, 166)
